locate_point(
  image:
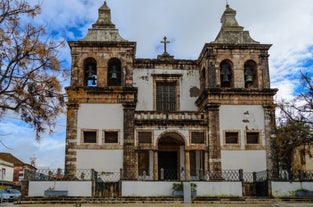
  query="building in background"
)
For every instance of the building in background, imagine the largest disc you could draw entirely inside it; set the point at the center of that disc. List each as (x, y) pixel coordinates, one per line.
(167, 118)
(12, 171)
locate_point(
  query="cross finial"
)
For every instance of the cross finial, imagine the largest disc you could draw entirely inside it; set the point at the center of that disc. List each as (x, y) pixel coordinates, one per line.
(165, 42)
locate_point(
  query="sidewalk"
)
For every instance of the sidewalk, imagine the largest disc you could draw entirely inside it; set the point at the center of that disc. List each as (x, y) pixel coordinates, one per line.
(281, 204)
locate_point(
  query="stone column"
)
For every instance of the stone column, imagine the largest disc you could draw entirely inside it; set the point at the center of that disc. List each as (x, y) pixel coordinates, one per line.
(214, 137)
(187, 165)
(71, 140)
(155, 165)
(130, 156)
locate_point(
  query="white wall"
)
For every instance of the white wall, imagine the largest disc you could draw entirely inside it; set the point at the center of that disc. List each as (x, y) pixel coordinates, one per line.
(241, 118)
(100, 160)
(74, 188)
(100, 117)
(219, 188)
(6, 171)
(232, 116)
(143, 79)
(285, 189)
(138, 188)
(248, 160)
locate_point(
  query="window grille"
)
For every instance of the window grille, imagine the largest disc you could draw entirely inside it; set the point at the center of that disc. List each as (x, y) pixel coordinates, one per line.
(166, 96)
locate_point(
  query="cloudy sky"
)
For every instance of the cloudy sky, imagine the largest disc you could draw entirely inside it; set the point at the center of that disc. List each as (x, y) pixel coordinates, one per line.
(287, 24)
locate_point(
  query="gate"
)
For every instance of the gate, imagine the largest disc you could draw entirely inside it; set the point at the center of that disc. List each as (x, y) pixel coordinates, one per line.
(261, 184)
(256, 184)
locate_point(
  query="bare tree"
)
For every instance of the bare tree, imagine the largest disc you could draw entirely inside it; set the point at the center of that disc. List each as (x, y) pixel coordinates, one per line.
(295, 126)
(30, 70)
(301, 107)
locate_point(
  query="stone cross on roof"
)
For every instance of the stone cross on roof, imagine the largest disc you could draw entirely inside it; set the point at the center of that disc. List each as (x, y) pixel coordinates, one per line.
(165, 42)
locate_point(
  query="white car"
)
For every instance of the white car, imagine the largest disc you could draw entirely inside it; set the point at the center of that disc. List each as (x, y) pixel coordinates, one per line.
(6, 196)
(16, 193)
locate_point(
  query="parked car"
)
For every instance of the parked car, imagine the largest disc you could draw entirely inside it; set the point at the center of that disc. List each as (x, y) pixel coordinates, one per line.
(16, 193)
(6, 196)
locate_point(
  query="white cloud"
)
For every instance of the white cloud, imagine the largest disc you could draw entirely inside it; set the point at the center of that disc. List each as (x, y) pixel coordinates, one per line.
(287, 24)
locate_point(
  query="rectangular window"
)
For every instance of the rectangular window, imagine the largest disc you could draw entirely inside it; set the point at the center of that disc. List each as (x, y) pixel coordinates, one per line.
(252, 137)
(90, 136)
(197, 137)
(143, 163)
(145, 137)
(166, 96)
(302, 157)
(111, 137)
(231, 138)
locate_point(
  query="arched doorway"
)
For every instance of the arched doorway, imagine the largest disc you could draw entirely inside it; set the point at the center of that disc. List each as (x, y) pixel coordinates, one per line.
(170, 146)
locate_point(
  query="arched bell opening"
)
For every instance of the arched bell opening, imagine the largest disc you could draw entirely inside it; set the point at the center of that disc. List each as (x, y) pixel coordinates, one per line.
(226, 73)
(170, 150)
(90, 72)
(250, 74)
(114, 72)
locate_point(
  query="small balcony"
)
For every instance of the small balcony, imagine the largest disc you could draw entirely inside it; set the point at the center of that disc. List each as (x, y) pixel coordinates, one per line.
(165, 118)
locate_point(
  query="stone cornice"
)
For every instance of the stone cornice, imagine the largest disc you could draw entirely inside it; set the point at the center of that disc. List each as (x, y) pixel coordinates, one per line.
(101, 44)
(111, 94)
(236, 96)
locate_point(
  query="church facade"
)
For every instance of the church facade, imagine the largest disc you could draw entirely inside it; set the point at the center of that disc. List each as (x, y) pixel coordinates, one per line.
(167, 118)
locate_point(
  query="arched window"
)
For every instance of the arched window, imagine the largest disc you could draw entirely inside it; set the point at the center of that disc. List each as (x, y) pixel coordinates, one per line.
(90, 72)
(226, 74)
(250, 74)
(114, 72)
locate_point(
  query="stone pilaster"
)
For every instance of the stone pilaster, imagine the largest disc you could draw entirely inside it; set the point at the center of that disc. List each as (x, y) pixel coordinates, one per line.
(211, 74)
(187, 165)
(269, 123)
(155, 165)
(265, 69)
(214, 137)
(130, 156)
(71, 141)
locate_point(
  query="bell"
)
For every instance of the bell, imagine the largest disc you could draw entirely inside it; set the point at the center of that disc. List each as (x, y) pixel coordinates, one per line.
(249, 79)
(225, 79)
(114, 75)
(93, 81)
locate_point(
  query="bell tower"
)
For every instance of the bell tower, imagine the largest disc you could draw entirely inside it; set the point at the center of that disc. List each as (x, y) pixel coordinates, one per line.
(234, 74)
(101, 79)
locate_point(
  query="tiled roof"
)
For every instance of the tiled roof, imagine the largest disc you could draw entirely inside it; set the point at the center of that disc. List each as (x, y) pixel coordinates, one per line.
(10, 158)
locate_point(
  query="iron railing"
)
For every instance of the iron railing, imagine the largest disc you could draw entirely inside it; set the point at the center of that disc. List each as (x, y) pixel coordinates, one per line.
(166, 175)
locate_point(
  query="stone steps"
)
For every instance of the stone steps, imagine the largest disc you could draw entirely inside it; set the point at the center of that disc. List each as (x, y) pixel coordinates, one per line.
(167, 199)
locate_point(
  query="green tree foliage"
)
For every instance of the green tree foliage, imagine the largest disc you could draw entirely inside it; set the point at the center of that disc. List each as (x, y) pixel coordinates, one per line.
(290, 135)
(30, 71)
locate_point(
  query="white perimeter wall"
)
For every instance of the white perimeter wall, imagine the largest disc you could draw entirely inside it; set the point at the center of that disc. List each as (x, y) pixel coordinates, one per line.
(143, 79)
(286, 189)
(138, 188)
(79, 188)
(241, 118)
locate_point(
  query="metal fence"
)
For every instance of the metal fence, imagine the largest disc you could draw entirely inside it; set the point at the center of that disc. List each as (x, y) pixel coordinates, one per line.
(58, 174)
(167, 175)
